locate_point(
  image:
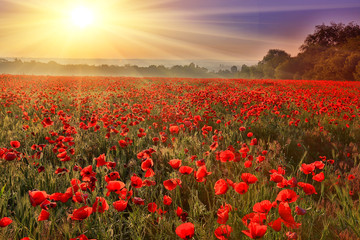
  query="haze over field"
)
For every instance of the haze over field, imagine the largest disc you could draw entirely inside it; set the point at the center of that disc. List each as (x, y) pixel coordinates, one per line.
(210, 64)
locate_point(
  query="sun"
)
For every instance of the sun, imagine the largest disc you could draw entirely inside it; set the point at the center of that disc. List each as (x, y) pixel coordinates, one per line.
(82, 16)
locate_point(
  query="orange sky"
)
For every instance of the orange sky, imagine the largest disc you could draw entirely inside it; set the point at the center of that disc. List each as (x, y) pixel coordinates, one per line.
(164, 29)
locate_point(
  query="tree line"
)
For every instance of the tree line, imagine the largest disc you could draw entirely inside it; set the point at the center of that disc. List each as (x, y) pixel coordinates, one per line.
(332, 52)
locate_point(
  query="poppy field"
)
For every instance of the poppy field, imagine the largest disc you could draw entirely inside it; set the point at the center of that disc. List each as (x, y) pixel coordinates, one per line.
(172, 158)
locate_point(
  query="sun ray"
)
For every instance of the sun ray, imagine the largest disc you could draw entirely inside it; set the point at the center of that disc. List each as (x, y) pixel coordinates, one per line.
(157, 27)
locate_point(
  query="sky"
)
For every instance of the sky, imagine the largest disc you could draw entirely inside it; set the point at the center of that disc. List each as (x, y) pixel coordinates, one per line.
(164, 29)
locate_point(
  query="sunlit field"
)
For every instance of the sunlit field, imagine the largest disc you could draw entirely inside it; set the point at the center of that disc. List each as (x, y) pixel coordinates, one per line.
(171, 158)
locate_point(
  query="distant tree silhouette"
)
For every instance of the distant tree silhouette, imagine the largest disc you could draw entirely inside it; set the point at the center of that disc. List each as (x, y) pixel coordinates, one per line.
(245, 71)
(234, 69)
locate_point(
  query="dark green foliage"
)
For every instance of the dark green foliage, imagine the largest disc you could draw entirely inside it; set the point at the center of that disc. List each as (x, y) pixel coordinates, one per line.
(330, 53)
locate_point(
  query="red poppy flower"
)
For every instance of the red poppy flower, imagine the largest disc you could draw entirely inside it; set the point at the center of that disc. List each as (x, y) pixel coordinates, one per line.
(87, 173)
(248, 178)
(179, 211)
(120, 205)
(115, 186)
(81, 213)
(171, 183)
(47, 204)
(62, 154)
(247, 164)
(161, 212)
(10, 156)
(276, 177)
(63, 197)
(136, 182)
(214, 146)
(253, 142)
(152, 207)
(319, 177)
(200, 162)
(122, 143)
(100, 161)
(223, 215)
(181, 214)
(148, 163)
(351, 177)
(259, 218)
(276, 224)
(241, 187)
(201, 173)
(149, 173)
(285, 214)
(331, 161)
(226, 156)
(15, 144)
(197, 118)
(138, 201)
(41, 169)
(221, 187)
(112, 176)
(230, 183)
(262, 207)
(186, 170)
(319, 164)
(79, 197)
(5, 221)
(223, 232)
(37, 197)
(307, 188)
(148, 183)
(174, 129)
(255, 230)
(300, 211)
(100, 205)
(175, 163)
(156, 140)
(44, 215)
(307, 168)
(185, 230)
(61, 170)
(47, 122)
(287, 195)
(167, 200)
(292, 182)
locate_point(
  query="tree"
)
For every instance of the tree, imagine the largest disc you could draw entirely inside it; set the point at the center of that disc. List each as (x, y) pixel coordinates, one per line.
(350, 65)
(272, 60)
(286, 70)
(357, 73)
(234, 69)
(329, 36)
(245, 71)
(256, 72)
(330, 66)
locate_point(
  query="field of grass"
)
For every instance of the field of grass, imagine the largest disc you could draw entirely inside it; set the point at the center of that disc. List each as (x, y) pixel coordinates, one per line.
(160, 158)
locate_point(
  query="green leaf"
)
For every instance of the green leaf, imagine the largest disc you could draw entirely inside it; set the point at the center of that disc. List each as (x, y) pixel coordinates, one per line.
(2, 190)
